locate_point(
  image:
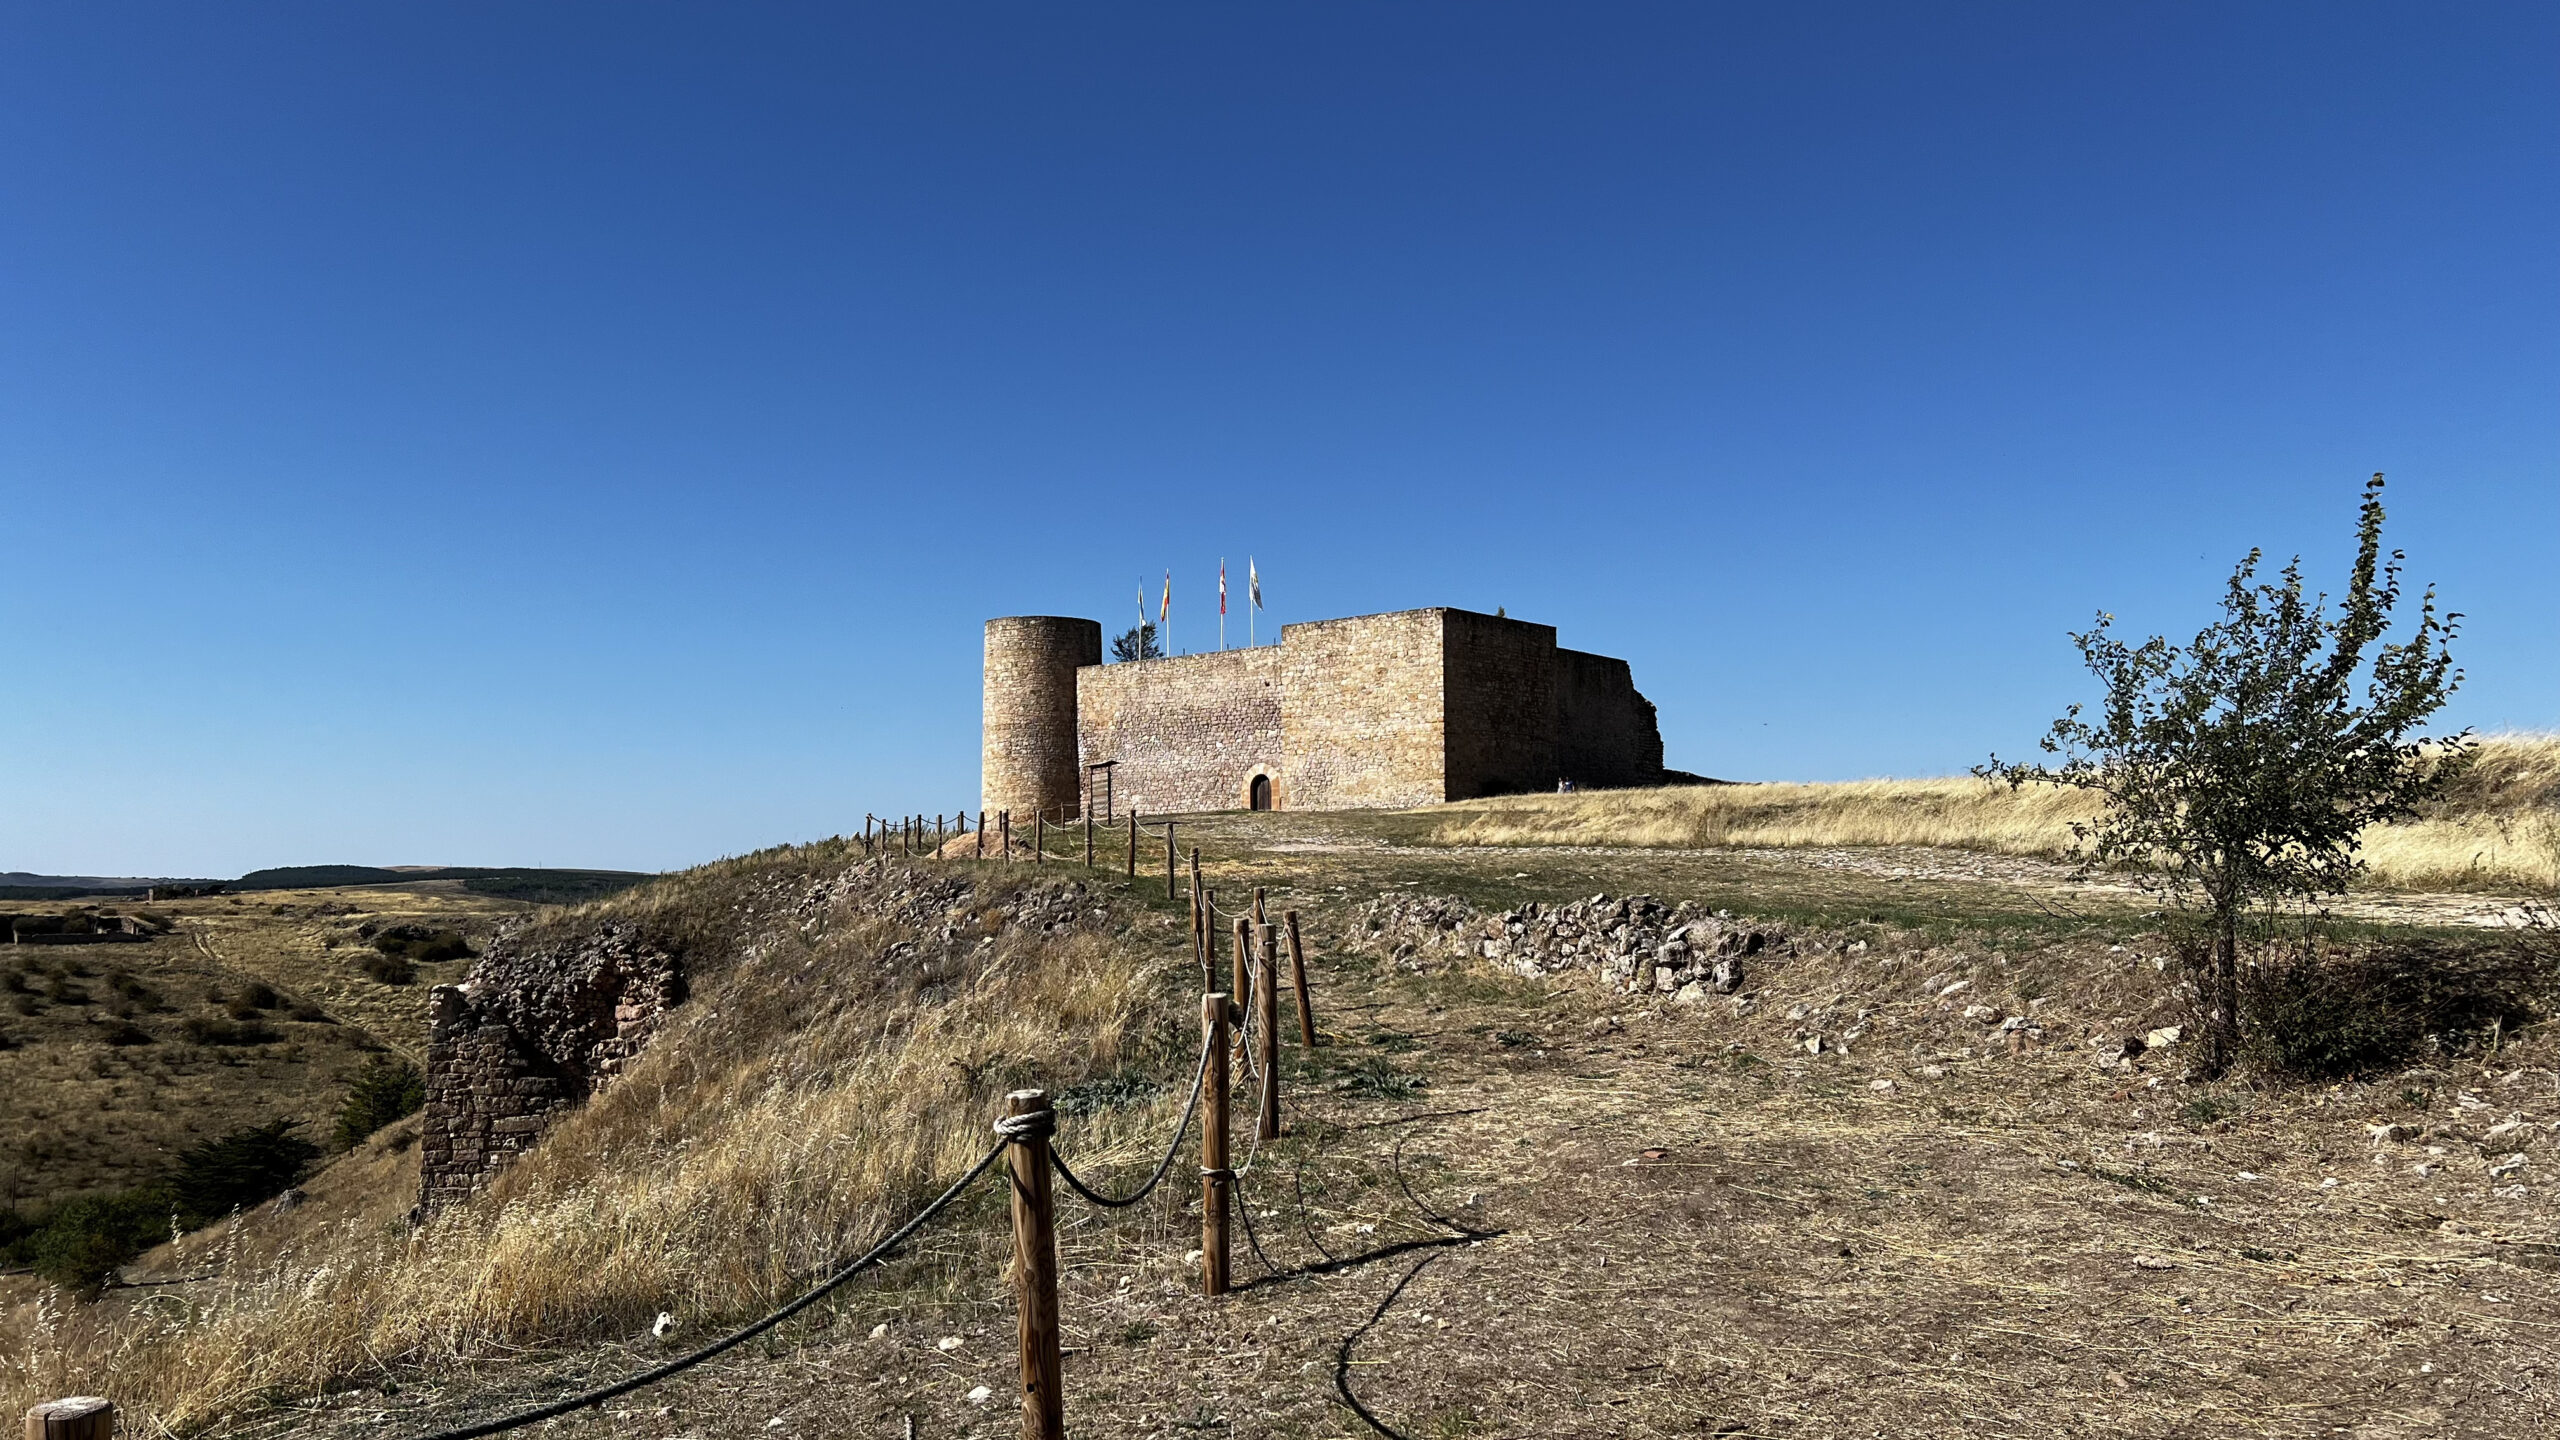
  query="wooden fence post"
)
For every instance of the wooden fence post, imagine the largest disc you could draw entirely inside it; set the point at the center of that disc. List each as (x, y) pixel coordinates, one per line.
(982, 832)
(906, 837)
(1039, 836)
(1298, 980)
(1217, 1182)
(1200, 937)
(1169, 859)
(1266, 1001)
(1088, 839)
(1241, 976)
(80, 1417)
(1035, 1274)
(1133, 847)
(1004, 828)
(1257, 905)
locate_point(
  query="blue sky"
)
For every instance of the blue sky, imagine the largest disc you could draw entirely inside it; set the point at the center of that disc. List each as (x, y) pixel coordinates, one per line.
(574, 435)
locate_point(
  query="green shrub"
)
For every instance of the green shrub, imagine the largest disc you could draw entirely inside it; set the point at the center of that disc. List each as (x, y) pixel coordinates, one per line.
(83, 1241)
(242, 1168)
(2326, 1015)
(385, 1089)
(424, 946)
(215, 1030)
(80, 1243)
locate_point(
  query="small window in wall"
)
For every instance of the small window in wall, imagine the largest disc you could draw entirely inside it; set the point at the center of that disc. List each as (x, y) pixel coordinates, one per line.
(1258, 794)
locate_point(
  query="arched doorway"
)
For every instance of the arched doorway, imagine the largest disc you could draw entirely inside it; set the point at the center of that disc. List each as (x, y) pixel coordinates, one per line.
(1258, 794)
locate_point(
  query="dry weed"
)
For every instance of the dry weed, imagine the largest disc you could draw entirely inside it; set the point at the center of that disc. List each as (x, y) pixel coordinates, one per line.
(2499, 828)
(809, 1097)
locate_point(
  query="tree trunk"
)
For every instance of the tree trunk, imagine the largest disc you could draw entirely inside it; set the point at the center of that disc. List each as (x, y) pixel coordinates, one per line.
(2219, 1045)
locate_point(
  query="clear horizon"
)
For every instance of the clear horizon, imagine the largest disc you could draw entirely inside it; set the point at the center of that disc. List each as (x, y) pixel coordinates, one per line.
(593, 437)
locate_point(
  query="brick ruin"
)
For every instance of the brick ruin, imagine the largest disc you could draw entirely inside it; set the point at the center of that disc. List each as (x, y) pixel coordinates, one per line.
(536, 1028)
(1376, 711)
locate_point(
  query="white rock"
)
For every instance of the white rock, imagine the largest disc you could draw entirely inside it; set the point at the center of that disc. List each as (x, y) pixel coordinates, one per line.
(880, 1331)
(947, 1344)
(1879, 1085)
(2152, 1262)
(2165, 1035)
(774, 1424)
(1950, 990)
(665, 1323)
(980, 1395)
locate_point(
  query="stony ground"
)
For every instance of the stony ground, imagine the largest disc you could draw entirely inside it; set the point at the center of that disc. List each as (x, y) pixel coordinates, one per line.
(1516, 1206)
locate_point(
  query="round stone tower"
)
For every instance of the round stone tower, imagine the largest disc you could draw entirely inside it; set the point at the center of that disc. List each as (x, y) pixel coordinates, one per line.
(1027, 761)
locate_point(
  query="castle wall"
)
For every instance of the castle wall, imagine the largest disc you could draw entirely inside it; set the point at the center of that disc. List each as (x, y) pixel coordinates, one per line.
(1606, 732)
(1184, 733)
(1500, 680)
(1027, 755)
(1364, 723)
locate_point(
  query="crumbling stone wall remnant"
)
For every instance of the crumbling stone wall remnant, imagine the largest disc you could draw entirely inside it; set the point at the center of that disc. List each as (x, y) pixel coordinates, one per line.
(538, 1026)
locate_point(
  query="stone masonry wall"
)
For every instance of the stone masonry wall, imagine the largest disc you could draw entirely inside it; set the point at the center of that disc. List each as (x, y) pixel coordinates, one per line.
(533, 1031)
(1606, 732)
(1364, 725)
(1186, 733)
(1499, 677)
(1028, 740)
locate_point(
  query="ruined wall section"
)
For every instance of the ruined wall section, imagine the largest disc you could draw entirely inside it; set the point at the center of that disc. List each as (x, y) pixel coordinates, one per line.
(1365, 724)
(1500, 679)
(1607, 733)
(1184, 733)
(533, 1031)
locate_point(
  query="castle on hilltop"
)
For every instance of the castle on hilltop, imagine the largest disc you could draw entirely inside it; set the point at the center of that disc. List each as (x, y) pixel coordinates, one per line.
(1376, 711)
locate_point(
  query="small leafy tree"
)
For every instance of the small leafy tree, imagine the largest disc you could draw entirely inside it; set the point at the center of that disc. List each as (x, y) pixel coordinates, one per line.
(1138, 642)
(386, 1088)
(2241, 769)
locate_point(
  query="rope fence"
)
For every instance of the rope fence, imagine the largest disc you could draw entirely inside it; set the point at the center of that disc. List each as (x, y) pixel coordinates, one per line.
(1239, 1022)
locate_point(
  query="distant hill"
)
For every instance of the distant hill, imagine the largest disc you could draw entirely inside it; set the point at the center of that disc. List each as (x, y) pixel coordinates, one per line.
(538, 886)
(542, 887)
(25, 885)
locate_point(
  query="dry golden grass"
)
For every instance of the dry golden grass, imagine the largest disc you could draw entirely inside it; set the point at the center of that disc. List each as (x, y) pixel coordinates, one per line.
(2498, 829)
(808, 1098)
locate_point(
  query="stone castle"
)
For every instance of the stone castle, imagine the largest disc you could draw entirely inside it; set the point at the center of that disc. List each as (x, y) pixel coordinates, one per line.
(1375, 711)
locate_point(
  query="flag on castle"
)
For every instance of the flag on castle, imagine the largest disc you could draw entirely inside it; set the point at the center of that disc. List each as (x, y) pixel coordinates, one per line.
(1142, 600)
(1252, 583)
(1165, 607)
(1222, 585)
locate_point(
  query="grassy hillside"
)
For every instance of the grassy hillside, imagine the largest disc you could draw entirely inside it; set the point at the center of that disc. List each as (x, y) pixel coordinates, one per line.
(1932, 1157)
(115, 1056)
(2499, 829)
(831, 1069)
